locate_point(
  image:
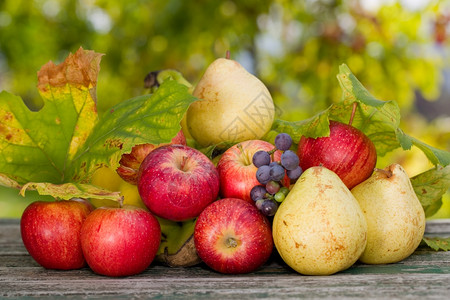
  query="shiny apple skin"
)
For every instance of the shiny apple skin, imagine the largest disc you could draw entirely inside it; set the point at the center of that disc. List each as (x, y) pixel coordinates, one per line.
(347, 151)
(233, 237)
(120, 241)
(51, 233)
(177, 182)
(237, 172)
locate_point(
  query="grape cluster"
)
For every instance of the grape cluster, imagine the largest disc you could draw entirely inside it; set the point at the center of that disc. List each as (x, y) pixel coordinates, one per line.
(270, 175)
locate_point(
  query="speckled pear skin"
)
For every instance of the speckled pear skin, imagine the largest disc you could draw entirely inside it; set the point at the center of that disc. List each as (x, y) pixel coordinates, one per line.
(319, 229)
(394, 215)
(236, 106)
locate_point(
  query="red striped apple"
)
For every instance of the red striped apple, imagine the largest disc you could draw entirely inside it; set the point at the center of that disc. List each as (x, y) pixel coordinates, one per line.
(51, 233)
(232, 236)
(347, 151)
(237, 172)
(120, 241)
(177, 182)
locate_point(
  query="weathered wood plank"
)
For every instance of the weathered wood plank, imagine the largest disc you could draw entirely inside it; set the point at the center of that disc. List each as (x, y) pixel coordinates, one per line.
(430, 278)
(271, 286)
(425, 274)
(439, 227)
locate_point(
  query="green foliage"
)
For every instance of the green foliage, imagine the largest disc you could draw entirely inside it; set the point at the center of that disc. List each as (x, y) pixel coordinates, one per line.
(295, 48)
(68, 191)
(39, 146)
(430, 186)
(57, 149)
(151, 119)
(379, 120)
(437, 243)
(384, 49)
(312, 39)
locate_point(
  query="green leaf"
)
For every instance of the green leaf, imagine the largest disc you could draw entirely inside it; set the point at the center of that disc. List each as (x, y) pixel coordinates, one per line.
(379, 120)
(436, 156)
(353, 90)
(430, 186)
(437, 243)
(7, 181)
(64, 191)
(433, 208)
(151, 119)
(314, 127)
(38, 146)
(67, 191)
(57, 149)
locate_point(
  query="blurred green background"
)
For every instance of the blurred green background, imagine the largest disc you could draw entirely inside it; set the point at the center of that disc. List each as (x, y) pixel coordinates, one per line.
(400, 50)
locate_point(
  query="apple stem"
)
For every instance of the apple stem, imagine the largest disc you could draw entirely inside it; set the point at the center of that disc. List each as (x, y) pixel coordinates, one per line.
(355, 104)
(227, 54)
(387, 173)
(121, 202)
(183, 162)
(247, 162)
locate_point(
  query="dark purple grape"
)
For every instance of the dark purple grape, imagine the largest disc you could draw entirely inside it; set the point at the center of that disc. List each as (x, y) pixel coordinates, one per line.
(263, 174)
(289, 160)
(261, 158)
(283, 141)
(268, 207)
(277, 172)
(259, 203)
(294, 174)
(258, 192)
(272, 187)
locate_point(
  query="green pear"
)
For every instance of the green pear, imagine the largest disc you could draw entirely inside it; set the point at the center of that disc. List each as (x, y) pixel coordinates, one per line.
(395, 218)
(236, 106)
(319, 229)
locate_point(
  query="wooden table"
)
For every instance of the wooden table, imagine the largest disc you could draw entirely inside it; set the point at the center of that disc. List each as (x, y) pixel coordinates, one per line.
(424, 275)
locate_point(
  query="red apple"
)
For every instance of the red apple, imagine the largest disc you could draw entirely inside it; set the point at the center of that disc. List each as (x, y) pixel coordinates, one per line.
(347, 151)
(177, 182)
(51, 233)
(130, 162)
(236, 170)
(120, 241)
(232, 236)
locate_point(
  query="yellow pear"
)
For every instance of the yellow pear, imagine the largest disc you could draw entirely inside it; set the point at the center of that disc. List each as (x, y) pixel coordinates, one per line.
(236, 106)
(319, 229)
(395, 218)
(109, 179)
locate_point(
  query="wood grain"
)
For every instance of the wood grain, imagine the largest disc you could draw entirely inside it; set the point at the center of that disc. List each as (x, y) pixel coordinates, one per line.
(425, 274)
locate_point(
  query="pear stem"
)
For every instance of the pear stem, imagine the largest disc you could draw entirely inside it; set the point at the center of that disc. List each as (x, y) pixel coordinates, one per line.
(355, 104)
(387, 173)
(227, 54)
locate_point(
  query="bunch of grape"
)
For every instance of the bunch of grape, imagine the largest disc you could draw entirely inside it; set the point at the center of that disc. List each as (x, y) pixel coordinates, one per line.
(270, 175)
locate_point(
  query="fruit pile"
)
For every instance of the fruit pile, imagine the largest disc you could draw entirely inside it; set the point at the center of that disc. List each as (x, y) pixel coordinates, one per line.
(223, 192)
